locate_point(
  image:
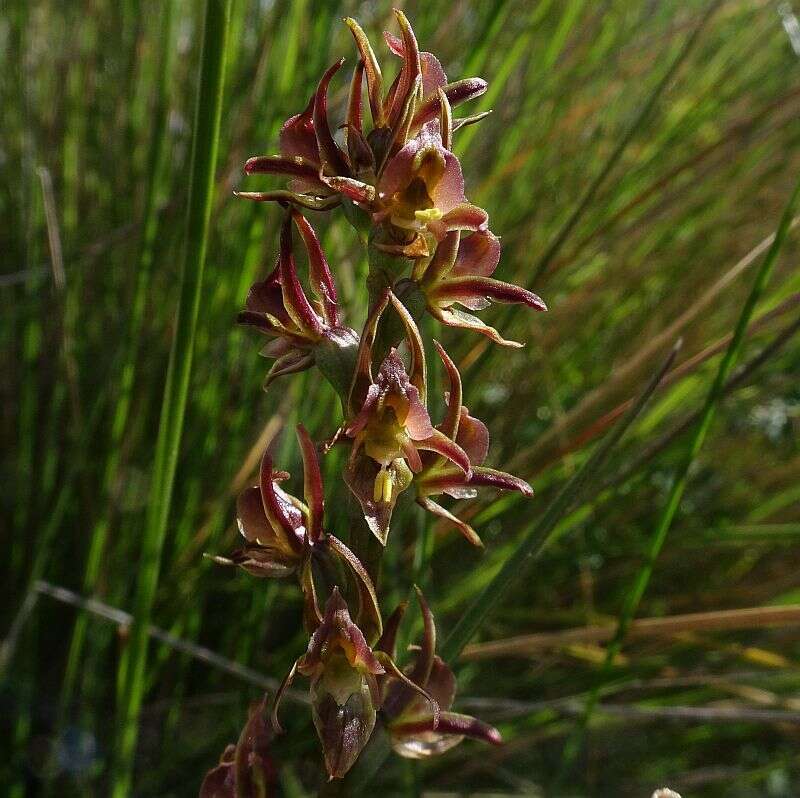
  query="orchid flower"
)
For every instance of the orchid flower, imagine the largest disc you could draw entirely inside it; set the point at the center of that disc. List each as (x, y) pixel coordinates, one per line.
(321, 172)
(344, 689)
(421, 191)
(389, 423)
(415, 729)
(279, 307)
(459, 273)
(285, 536)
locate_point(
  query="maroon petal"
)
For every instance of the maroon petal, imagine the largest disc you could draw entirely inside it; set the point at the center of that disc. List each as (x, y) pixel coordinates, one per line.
(373, 70)
(423, 666)
(433, 75)
(297, 136)
(354, 103)
(369, 614)
(418, 423)
(444, 446)
(265, 296)
(283, 516)
(483, 477)
(319, 272)
(267, 324)
(473, 437)
(362, 159)
(464, 289)
(290, 165)
(251, 518)
(362, 375)
(412, 456)
(399, 170)
(447, 479)
(294, 298)
(457, 93)
(411, 69)
(361, 419)
(331, 156)
(417, 372)
(478, 254)
(448, 193)
(388, 641)
(450, 424)
(466, 530)
(313, 491)
(355, 190)
(282, 688)
(466, 725)
(450, 730)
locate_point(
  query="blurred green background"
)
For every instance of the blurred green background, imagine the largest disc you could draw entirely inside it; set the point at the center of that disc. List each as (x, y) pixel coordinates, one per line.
(97, 102)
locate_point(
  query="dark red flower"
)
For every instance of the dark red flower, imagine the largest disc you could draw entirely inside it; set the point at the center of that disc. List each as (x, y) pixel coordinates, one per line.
(344, 689)
(321, 172)
(389, 423)
(420, 722)
(459, 273)
(279, 307)
(285, 536)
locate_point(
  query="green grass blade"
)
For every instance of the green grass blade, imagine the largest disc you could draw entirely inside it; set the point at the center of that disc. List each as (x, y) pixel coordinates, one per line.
(715, 393)
(208, 112)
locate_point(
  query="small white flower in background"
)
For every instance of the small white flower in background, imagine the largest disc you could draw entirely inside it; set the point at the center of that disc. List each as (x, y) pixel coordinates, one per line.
(665, 792)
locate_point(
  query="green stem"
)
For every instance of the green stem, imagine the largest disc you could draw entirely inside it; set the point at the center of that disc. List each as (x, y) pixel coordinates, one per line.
(203, 162)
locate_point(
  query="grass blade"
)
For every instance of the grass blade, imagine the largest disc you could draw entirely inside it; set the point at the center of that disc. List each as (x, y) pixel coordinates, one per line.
(203, 162)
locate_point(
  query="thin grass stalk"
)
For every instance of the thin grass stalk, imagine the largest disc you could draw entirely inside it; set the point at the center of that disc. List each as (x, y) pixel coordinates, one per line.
(208, 112)
(569, 225)
(680, 479)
